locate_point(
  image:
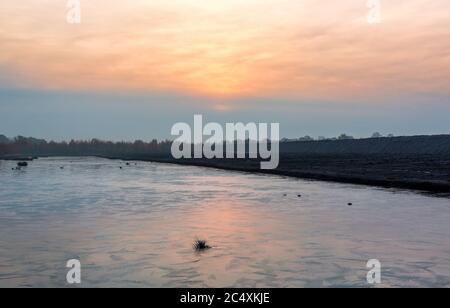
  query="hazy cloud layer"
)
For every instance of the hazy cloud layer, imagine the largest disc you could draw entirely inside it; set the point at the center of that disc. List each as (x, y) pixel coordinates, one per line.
(132, 68)
(65, 115)
(309, 49)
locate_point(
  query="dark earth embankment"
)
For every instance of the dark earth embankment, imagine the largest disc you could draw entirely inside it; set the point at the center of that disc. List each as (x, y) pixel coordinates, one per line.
(426, 173)
(418, 163)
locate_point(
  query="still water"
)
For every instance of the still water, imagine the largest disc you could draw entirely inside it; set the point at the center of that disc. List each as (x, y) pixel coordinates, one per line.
(135, 226)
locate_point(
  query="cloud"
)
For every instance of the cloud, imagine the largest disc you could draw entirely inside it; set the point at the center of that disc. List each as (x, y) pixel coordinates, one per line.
(226, 49)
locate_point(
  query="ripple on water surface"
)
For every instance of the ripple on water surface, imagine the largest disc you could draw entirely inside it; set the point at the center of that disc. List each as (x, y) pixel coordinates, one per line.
(135, 227)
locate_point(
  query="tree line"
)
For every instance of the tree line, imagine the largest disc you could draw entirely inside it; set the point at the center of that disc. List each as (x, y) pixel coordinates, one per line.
(39, 147)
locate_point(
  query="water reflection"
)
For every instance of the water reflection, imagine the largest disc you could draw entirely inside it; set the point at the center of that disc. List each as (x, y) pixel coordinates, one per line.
(135, 227)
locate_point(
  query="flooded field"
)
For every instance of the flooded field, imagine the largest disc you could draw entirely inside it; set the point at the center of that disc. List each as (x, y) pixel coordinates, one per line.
(134, 226)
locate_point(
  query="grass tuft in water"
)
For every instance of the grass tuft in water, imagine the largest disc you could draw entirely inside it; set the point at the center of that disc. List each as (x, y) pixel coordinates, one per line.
(200, 245)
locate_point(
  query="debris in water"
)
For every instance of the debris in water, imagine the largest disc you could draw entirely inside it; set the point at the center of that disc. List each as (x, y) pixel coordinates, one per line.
(200, 245)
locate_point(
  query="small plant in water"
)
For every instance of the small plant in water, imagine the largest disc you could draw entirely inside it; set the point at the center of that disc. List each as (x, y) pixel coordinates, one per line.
(200, 245)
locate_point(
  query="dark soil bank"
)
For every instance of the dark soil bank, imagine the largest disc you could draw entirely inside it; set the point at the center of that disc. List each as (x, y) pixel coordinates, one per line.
(417, 162)
(415, 145)
(418, 172)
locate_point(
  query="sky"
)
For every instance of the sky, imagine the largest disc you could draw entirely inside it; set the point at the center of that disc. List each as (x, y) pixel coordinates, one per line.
(131, 69)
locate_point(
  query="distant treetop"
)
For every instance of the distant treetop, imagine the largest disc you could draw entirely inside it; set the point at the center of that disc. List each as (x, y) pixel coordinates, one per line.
(4, 139)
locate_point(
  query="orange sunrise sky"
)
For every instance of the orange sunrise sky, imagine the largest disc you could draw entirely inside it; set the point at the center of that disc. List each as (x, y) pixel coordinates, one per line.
(304, 48)
(224, 51)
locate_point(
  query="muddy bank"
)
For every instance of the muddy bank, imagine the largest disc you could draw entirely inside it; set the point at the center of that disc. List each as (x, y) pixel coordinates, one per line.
(429, 173)
(416, 162)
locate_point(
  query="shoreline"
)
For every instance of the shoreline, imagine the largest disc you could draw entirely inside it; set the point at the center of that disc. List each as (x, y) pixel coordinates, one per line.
(429, 187)
(349, 169)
